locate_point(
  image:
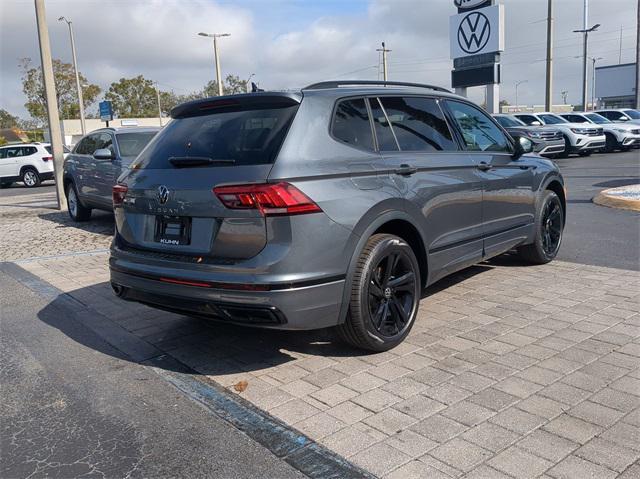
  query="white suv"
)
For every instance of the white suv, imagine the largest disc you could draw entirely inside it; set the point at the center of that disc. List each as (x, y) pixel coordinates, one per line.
(31, 163)
(619, 135)
(621, 115)
(578, 138)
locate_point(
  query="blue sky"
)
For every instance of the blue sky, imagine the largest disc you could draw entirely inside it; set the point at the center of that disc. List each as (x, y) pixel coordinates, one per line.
(290, 43)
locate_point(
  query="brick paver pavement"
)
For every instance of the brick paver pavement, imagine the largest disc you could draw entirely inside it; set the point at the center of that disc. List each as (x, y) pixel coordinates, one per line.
(509, 371)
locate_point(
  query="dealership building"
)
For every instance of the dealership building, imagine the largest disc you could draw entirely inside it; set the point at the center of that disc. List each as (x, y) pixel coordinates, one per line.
(616, 86)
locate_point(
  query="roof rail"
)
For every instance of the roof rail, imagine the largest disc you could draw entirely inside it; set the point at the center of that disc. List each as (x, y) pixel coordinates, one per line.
(339, 83)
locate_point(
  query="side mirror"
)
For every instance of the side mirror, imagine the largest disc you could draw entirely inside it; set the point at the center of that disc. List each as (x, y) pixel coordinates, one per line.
(103, 154)
(523, 146)
(535, 123)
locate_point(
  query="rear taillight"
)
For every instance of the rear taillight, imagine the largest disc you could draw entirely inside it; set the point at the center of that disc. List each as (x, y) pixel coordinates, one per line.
(118, 193)
(47, 158)
(277, 199)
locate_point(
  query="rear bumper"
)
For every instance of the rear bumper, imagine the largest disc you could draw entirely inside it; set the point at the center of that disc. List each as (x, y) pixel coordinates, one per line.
(310, 305)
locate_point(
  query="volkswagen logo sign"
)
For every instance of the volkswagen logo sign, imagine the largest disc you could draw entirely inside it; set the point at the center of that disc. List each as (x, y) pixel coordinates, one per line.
(163, 194)
(474, 32)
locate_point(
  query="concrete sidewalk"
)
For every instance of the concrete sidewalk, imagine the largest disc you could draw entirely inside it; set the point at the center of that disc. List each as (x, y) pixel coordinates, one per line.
(510, 371)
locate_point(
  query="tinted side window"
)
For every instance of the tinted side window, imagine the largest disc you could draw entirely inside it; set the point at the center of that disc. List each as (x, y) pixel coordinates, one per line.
(13, 152)
(105, 140)
(3, 153)
(386, 141)
(351, 124)
(418, 124)
(29, 150)
(615, 116)
(478, 131)
(528, 119)
(88, 145)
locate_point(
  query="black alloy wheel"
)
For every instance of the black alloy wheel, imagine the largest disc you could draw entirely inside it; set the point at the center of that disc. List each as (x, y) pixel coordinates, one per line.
(391, 294)
(384, 295)
(551, 227)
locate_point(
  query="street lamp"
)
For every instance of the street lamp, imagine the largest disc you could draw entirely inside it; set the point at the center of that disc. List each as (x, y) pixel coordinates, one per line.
(593, 82)
(585, 31)
(75, 67)
(215, 37)
(517, 85)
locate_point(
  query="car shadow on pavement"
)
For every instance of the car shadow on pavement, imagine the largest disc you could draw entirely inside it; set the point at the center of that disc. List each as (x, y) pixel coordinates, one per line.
(206, 346)
(101, 222)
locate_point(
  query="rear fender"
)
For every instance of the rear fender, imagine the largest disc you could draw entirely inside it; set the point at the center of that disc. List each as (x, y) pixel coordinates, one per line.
(382, 213)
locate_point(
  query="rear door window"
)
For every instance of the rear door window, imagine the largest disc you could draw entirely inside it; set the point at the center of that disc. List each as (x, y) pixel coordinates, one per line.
(14, 152)
(351, 124)
(236, 137)
(386, 140)
(418, 124)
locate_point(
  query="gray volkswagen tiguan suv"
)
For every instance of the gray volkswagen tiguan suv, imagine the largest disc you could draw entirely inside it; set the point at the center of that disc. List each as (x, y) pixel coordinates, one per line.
(331, 207)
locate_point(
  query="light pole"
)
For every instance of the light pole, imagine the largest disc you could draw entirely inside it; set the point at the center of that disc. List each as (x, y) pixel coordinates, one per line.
(593, 83)
(75, 68)
(585, 31)
(215, 37)
(384, 51)
(548, 103)
(517, 85)
(247, 83)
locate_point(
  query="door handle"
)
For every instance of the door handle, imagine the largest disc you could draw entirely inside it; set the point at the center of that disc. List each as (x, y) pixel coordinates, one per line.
(484, 166)
(405, 170)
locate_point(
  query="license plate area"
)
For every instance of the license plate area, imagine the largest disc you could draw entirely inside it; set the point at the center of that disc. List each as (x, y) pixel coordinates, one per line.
(173, 230)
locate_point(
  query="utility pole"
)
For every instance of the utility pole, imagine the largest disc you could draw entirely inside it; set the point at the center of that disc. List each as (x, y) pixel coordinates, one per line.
(638, 58)
(215, 37)
(384, 60)
(52, 103)
(517, 85)
(585, 50)
(593, 83)
(548, 98)
(75, 68)
(159, 107)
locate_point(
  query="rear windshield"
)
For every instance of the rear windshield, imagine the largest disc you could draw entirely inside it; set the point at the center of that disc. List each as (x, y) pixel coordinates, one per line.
(234, 138)
(131, 144)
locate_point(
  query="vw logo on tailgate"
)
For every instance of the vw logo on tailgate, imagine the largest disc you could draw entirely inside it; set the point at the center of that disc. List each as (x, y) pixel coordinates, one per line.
(474, 32)
(163, 194)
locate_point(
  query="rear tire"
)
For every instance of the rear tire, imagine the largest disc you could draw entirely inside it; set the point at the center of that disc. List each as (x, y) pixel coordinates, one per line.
(30, 177)
(584, 154)
(549, 226)
(385, 295)
(77, 211)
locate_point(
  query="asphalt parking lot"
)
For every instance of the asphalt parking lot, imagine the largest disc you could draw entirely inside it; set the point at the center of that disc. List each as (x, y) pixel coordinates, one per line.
(510, 370)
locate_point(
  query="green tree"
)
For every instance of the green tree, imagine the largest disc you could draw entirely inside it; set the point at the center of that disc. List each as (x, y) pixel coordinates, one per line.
(7, 120)
(133, 97)
(230, 85)
(67, 94)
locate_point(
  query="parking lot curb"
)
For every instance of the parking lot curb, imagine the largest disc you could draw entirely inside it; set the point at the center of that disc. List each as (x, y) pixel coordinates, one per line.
(285, 442)
(612, 199)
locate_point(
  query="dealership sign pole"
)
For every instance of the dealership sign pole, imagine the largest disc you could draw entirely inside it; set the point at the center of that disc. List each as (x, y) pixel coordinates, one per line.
(476, 36)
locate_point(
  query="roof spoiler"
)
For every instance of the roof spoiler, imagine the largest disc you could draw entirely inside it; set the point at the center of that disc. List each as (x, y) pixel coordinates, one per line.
(342, 83)
(258, 100)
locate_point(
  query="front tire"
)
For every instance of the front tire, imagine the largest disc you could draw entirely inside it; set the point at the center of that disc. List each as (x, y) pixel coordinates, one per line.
(611, 143)
(30, 178)
(549, 226)
(567, 148)
(385, 295)
(585, 153)
(77, 211)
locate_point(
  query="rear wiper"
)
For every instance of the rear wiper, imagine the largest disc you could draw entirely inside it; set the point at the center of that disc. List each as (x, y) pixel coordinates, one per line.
(189, 161)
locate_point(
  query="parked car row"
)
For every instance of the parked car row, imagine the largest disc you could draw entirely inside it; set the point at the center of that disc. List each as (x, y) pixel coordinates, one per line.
(582, 133)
